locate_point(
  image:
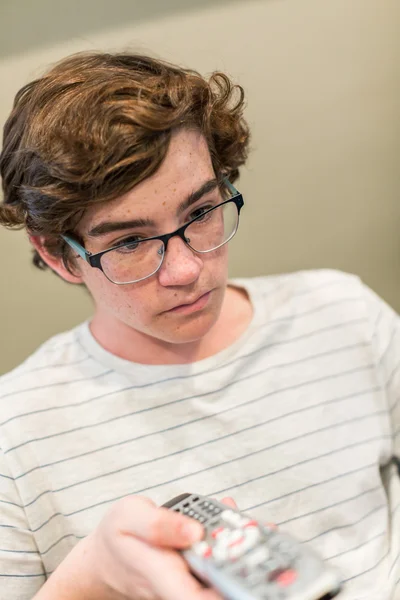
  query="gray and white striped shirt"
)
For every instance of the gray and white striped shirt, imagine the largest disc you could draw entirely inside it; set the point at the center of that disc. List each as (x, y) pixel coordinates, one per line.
(297, 420)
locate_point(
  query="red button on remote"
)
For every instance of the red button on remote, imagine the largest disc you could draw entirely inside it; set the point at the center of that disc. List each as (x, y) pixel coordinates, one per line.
(217, 531)
(286, 578)
(251, 523)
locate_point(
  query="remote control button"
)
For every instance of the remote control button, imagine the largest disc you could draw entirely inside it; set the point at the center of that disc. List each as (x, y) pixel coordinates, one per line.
(232, 518)
(252, 533)
(190, 513)
(286, 561)
(287, 551)
(202, 548)
(237, 520)
(225, 548)
(286, 578)
(250, 523)
(213, 523)
(251, 538)
(227, 544)
(259, 556)
(223, 538)
(227, 516)
(237, 570)
(274, 566)
(216, 532)
(255, 577)
(235, 551)
(235, 538)
(220, 554)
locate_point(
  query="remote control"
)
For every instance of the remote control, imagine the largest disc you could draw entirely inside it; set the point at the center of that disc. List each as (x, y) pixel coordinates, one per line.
(246, 560)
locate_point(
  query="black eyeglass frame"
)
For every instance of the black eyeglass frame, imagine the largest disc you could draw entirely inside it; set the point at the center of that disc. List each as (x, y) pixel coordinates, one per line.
(94, 260)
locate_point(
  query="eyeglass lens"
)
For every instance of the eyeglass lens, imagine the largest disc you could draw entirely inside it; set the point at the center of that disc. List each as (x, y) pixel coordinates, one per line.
(140, 260)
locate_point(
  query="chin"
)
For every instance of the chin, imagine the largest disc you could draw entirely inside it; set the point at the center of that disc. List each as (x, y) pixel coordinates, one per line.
(192, 332)
(189, 330)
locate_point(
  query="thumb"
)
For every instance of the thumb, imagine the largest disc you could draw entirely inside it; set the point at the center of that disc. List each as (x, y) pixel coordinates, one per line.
(158, 526)
(229, 502)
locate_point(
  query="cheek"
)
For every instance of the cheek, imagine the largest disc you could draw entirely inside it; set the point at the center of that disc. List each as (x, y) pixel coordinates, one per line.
(217, 262)
(135, 300)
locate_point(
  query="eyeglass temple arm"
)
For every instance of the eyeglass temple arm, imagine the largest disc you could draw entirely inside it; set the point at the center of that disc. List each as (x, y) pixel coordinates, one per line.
(76, 246)
(230, 186)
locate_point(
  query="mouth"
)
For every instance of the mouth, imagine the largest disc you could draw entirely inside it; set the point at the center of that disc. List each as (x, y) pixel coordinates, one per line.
(194, 306)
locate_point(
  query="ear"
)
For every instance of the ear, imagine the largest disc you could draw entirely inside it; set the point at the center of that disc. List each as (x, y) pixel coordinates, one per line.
(55, 263)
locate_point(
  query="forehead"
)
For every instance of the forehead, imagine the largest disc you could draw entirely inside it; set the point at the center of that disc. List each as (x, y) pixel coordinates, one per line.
(185, 168)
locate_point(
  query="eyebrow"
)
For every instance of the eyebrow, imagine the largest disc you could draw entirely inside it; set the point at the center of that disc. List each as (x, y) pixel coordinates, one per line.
(111, 226)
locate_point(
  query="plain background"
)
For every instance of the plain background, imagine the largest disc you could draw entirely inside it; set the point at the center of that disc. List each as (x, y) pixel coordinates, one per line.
(322, 79)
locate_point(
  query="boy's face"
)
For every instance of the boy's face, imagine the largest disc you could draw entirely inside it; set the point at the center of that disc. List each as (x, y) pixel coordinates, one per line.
(151, 306)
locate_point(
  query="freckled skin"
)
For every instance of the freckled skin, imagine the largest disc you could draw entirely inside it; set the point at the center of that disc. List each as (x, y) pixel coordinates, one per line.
(130, 320)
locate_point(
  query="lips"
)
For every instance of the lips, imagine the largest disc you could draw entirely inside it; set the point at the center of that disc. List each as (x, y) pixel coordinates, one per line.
(198, 304)
(188, 303)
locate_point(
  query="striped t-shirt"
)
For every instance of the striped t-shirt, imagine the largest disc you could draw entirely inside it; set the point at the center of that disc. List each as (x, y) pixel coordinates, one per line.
(298, 421)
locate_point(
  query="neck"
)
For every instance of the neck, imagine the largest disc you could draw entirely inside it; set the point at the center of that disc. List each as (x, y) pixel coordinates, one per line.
(121, 340)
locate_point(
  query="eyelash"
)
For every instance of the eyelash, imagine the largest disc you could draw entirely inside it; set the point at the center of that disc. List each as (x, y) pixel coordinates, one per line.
(132, 239)
(200, 210)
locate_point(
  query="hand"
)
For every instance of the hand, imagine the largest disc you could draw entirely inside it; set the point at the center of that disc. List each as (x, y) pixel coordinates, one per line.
(133, 552)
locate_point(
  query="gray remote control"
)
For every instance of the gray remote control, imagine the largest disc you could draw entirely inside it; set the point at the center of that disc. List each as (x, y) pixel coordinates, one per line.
(245, 560)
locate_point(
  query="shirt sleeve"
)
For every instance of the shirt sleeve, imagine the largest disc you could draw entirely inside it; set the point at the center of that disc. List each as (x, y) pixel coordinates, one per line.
(385, 324)
(21, 568)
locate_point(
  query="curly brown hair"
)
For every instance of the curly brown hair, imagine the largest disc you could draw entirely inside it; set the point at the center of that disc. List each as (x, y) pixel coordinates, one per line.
(96, 125)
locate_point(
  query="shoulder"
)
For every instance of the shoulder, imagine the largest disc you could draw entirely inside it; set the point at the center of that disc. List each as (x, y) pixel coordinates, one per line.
(57, 349)
(320, 296)
(59, 377)
(304, 287)
(57, 358)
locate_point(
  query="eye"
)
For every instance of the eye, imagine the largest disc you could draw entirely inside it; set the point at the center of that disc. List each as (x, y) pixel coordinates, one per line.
(129, 244)
(196, 214)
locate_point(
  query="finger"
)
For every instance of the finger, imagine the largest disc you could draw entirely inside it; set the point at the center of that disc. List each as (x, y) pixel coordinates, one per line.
(183, 586)
(229, 502)
(158, 526)
(176, 582)
(272, 526)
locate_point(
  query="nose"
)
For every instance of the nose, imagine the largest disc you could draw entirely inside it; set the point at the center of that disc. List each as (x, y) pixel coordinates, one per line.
(181, 265)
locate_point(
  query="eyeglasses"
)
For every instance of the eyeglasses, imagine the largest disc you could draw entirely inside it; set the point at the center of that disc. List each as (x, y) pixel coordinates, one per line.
(136, 259)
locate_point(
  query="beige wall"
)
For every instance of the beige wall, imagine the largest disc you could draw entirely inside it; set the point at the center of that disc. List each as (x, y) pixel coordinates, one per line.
(323, 86)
